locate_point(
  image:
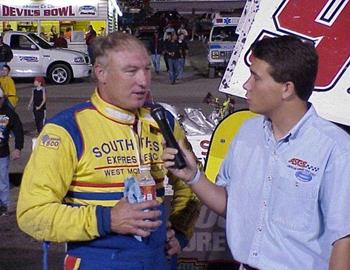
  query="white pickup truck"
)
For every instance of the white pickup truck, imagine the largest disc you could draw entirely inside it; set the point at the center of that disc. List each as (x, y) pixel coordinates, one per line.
(33, 56)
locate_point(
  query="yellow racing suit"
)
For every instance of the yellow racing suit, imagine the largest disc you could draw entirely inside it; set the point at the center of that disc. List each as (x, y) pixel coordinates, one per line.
(76, 174)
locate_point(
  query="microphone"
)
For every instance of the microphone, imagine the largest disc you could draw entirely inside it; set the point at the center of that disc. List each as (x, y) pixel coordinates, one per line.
(158, 114)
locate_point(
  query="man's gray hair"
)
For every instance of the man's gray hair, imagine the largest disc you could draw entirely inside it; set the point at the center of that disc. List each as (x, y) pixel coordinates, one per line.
(115, 41)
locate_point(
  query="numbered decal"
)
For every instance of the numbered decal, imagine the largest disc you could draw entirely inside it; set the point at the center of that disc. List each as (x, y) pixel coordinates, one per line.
(326, 23)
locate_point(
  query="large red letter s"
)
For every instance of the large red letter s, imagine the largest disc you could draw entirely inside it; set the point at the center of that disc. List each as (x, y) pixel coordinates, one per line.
(325, 22)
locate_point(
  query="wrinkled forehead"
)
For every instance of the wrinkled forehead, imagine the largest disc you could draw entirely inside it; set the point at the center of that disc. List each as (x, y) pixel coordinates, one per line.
(129, 48)
(130, 45)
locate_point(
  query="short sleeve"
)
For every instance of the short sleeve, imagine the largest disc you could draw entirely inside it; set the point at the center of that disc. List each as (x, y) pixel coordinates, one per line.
(335, 197)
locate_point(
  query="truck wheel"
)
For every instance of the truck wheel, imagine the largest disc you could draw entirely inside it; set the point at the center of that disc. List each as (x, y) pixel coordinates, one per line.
(60, 74)
(211, 74)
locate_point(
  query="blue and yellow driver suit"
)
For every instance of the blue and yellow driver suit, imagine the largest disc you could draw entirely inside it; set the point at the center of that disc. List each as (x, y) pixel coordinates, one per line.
(75, 175)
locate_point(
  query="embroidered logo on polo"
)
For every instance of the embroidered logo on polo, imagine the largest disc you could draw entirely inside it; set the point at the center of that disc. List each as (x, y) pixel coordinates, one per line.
(50, 141)
(303, 175)
(304, 170)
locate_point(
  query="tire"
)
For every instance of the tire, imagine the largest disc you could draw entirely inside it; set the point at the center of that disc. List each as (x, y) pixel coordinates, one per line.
(211, 74)
(60, 74)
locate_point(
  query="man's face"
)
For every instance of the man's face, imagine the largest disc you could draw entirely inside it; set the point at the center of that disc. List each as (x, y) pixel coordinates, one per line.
(264, 94)
(125, 80)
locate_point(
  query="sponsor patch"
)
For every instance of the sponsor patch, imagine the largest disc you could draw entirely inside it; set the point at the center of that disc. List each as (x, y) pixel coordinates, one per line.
(50, 141)
(87, 10)
(29, 59)
(303, 175)
(304, 171)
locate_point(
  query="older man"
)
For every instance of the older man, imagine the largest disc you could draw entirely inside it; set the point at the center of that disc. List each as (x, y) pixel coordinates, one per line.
(72, 187)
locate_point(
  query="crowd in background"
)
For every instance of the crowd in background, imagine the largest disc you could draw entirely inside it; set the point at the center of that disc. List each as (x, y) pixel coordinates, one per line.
(166, 35)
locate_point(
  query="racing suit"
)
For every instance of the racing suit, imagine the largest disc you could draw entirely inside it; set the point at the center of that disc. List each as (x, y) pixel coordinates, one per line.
(82, 158)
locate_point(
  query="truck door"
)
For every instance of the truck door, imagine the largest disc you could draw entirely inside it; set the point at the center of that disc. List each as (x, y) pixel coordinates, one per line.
(27, 61)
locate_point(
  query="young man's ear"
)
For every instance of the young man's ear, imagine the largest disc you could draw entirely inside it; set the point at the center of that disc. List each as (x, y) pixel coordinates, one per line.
(288, 90)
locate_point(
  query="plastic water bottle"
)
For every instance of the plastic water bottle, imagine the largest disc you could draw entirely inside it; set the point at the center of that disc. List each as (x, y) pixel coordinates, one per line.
(147, 184)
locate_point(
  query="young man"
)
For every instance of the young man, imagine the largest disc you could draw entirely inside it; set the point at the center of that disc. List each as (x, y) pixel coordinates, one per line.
(284, 186)
(72, 188)
(9, 123)
(8, 86)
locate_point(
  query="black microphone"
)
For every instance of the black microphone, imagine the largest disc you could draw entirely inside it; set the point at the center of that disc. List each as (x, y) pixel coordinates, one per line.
(158, 114)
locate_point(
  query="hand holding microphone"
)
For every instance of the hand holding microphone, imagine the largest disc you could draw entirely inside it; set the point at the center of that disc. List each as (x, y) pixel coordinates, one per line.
(159, 115)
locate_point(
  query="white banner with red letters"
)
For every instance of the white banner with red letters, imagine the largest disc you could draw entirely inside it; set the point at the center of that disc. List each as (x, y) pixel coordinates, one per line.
(48, 10)
(326, 23)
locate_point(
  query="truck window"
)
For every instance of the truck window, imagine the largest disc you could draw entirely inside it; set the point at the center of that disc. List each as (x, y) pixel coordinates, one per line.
(21, 42)
(224, 33)
(39, 41)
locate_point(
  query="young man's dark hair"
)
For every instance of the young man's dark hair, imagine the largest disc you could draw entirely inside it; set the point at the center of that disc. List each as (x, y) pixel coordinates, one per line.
(292, 60)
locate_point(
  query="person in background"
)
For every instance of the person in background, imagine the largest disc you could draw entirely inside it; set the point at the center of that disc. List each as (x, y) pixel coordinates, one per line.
(8, 86)
(6, 54)
(182, 31)
(168, 30)
(102, 32)
(43, 35)
(284, 185)
(173, 50)
(9, 123)
(72, 187)
(183, 53)
(165, 53)
(60, 42)
(90, 37)
(52, 34)
(128, 30)
(8, 28)
(156, 49)
(37, 103)
(68, 34)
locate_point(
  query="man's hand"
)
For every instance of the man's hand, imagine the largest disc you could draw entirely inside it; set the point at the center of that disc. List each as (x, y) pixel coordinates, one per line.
(340, 257)
(187, 173)
(127, 218)
(16, 154)
(172, 244)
